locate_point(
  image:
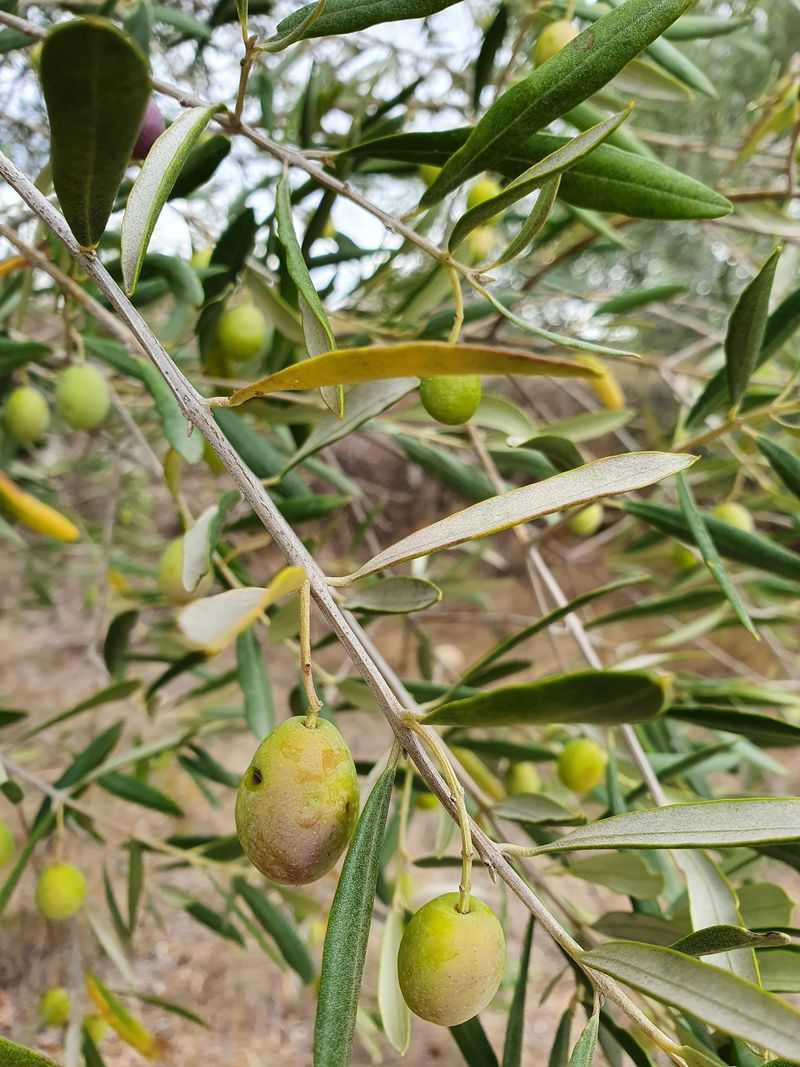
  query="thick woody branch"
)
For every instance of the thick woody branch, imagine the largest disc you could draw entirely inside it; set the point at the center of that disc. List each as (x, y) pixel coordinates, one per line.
(198, 414)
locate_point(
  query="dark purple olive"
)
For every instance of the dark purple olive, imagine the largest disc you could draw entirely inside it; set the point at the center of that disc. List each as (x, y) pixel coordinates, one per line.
(152, 127)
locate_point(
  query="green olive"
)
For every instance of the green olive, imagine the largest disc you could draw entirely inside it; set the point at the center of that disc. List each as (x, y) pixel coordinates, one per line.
(683, 558)
(480, 191)
(54, 1007)
(60, 890)
(429, 173)
(587, 521)
(552, 39)
(241, 332)
(581, 764)
(82, 397)
(735, 515)
(26, 415)
(451, 399)
(170, 576)
(297, 803)
(450, 964)
(523, 777)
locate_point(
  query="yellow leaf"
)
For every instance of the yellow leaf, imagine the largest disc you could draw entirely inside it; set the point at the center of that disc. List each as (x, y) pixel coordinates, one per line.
(412, 358)
(121, 1021)
(35, 514)
(213, 622)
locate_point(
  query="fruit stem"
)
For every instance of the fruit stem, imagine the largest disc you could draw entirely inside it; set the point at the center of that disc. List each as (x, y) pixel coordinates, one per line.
(458, 299)
(431, 741)
(405, 807)
(314, 703)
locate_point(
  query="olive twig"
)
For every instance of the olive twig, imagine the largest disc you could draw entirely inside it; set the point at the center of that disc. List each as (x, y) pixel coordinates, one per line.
(458, 299)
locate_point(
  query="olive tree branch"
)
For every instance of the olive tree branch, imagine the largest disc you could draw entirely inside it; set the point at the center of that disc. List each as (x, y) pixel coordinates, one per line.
(197, 412)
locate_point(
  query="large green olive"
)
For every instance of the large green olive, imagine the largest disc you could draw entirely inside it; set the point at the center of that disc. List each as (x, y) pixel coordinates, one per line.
(26, 415)
(451, 399)
(297, 803)
(82, 397)
(450, 964)
(735, 515)
(552, 39)
(241, 331)
(60, 890)
(581, 764)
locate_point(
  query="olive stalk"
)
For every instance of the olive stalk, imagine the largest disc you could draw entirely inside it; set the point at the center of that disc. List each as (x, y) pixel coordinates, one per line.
(196, 410)
(304, 607)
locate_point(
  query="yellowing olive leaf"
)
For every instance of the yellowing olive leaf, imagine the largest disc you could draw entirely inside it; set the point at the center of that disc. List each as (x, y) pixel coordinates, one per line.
(213, 622)
(603, 477)
(746, 328)
(420, 358)
(536, 176)
(153, 185)
(120, 1020)
(707, 824)
(572, 75)
(719, 998)
(96, 85)
(316, 328)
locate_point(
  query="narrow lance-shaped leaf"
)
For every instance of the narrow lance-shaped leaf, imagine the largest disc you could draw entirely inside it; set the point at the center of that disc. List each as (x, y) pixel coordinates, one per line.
(473, 1044)
(785, 463)
(172, 419)
(345, 16)
(420, 358)
(200, 540)
(259, 710)
(575, 73)
(515, 1027)
(18, 1056)
(746, 328)
(607, 697)
(492, 42)
(278, 926)
(603, 477)
(707, 824)
(583, 1052)
(395, 1015)
(720, 999)
(120, 1019)
(397, 595)
(559, 1050)
(534, 224)
(561, 159)
(299, 32)
(96, 85)
(608, 179)
(712, 902)
(348, 930)
(708, 551)
(316, 328)
(715, 939)
(153, 185)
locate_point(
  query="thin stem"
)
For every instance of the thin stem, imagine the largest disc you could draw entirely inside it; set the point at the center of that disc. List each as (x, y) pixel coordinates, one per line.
(314, 703)
(458, 298)
(431, 741)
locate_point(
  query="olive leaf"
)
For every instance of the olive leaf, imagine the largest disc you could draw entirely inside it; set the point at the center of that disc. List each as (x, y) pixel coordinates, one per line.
(96, 85)
(348, 930)
(12, 1053)
(420, 358)
(603, 477)
(746, 329)
(349, 16)
(575, 73)
(711, 940)
(259, 710)
(719, 998)
(316, 328)
(535, 177)
(785, 464)
(200, 540)
(160, 170)
(512, 1045)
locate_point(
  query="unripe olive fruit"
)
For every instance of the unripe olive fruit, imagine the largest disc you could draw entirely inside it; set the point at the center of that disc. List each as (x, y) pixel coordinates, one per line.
(480, 191)
(587, 521)
(523, 777)
(451, 398)
(82, 397)
(96, 1027)
(552, 39)
(429, 173)
(450, 964)
(735, 515)
(329, 230)
(60, 890)
(480, 242)
(201, 257)
(6, 844)
(426, 801)
(26, 415)
(297, 803)
(241, 332)
(683, 558)
(581, 764)
(152, 127)
(170, 576)
(54, 1006)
